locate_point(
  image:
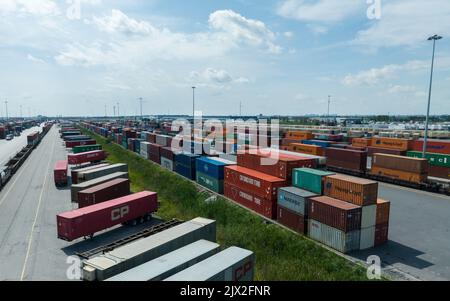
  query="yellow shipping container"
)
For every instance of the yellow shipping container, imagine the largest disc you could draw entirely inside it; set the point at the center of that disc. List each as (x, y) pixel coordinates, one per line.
(306, 149)
(361, 142)
(299, 135)
(392, 143)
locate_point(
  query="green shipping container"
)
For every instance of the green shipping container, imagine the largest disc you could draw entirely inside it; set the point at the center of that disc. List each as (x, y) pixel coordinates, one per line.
(125, 144)
(86, 148)
(210, 182)
(433, 158)
(309, 179)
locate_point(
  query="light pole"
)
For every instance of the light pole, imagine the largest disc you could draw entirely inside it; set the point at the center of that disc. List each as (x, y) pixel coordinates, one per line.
(6, 105)
(329, 101)
(193, 104)
(425, 141)
(118, 110)
(140, 102)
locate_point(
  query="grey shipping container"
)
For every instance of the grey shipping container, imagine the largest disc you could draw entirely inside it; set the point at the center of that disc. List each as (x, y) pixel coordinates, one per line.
(369, 216)
(232, 264)
(367, 239)
(101, 172)
(136, 253)
(88, 184)
(295, 199)
(171, 263)
(166, 163)
(334, 238)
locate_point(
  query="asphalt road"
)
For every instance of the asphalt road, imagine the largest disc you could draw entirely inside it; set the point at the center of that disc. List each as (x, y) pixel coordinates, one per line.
(29, 247)
(9, 149)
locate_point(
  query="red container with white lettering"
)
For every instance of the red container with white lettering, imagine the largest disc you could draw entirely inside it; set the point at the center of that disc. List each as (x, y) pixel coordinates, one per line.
(258, 183)
(89, 220)
(93, 156)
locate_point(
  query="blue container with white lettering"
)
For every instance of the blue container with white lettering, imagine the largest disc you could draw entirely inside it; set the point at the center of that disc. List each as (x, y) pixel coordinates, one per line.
(212, 167)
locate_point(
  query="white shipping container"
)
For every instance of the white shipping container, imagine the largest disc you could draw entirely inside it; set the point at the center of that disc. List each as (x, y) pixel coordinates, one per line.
(166, 163)
(144, 148)
(171, 263)
(138, 252)
(162, 140)
(367, 239)
(334, 238)
(232, 264)
(369, 216)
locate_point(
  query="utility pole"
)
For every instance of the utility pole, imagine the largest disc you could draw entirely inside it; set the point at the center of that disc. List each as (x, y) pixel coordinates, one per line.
(114, 108)
(329, 101)
(106, 114)
(118, 109)
(240, 109)
(140, 102)
(20, 111)
(6, 105)
(425, 141)
(193, 104)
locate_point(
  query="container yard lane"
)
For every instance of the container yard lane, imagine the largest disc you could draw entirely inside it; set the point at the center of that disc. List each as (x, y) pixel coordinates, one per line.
(419, 235)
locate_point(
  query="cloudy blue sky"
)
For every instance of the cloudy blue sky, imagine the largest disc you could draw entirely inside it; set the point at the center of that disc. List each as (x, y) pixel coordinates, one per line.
(274, 56)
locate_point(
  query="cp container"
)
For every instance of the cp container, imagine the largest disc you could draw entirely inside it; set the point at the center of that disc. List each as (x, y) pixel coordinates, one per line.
(294, 199)
(93, 156)
(171, 263)
(232, 264)
(87, 221)
(291, 219)
(358, 191)
(60, 173)
(89, 184)
(334, 238)
(258, 183)
(104, 192)
(143, 250)
(310, 179)
(335, 213)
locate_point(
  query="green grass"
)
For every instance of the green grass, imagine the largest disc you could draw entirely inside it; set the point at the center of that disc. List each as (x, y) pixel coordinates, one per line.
(280, 254)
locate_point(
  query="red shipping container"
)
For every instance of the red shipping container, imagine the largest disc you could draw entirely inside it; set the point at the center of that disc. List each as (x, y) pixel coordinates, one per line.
(292, 220)
(151, 137)
(167, 153)
(260, 184)
(439, 172)
(60, 173)
(89, 220)
(281, 167)
(383, 211)
(346, 159)
(93, 156)
(267, 208)
(381, 234)
(104, 192)
(433, 146)
(335, 213)
(72, 144)
(154, 152)
(373, 150)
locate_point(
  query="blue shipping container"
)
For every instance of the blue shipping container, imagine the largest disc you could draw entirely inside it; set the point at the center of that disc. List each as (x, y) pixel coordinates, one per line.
(186, 159)
(211, 167)
(186, 171)
(317, 142)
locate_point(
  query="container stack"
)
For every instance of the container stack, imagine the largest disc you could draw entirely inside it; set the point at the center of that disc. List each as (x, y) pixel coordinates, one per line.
(185, 165)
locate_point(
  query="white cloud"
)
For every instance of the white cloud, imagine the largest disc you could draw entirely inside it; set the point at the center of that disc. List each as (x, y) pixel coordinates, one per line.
(236, 28)
(407, 23)
(288, 34)
(35, 59)
(394, 89)
(326, 11)
(86, 56)
(120, 22)
(34, 7)
(216, 78)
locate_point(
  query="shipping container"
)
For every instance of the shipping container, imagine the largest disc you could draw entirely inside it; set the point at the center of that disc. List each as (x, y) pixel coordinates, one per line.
(306, 149)
(362, 142)
(295, 199)
(320, 143)
(346, 159)
(369, 216)
(381, 234)
(434, 159)
(292, 220)
(358, 191)
(89, 220)
(77, 138)
(167, 163)
(433, 146)
(248, 199)
(93, 156)
(154, 153)
(75, 189)
(335, 213)
(60, 173)
(310, 179)
(229, 157)
(32, 138)
(396, 174)
(439, 172)
(88, 147)
(101, 172)
(84, 167)
(299, 135)
(167, 153)
(408, 164)
(392, 143)
(171, 263)
(163, 140)
(374, 150)
(367, 238)
(280, 166)
(232, 264)
(334, 238)
(104, 192)
(383, 211)
(209, 182)
(263, 185)
(212, 167)
(143, 250)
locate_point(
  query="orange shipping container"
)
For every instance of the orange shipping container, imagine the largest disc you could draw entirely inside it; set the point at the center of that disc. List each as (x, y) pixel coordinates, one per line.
(399, 175)
(357, 191)
(299, 135)
(392, 143)
(306, 149)
(383, 211)
(408, 164)
(361, 142)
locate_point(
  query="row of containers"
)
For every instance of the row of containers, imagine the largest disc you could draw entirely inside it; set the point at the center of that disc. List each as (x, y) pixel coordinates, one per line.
(365, 155)
(338, 211)
(15, 128)
(101, 191)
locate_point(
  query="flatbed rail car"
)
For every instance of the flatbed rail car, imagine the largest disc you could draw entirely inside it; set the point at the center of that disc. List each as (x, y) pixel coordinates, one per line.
(430, 186)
